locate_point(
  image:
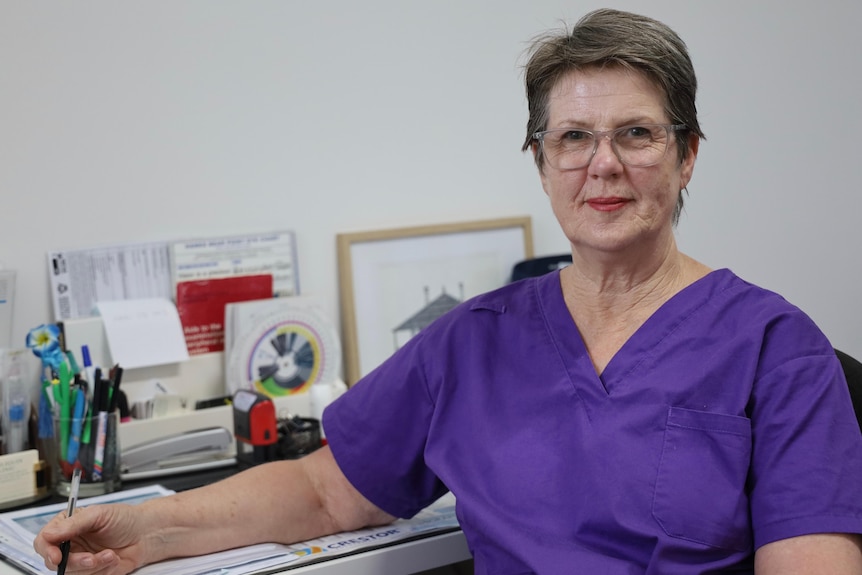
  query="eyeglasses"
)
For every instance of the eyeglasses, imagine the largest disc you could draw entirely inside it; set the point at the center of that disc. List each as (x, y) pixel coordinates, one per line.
(638, 145)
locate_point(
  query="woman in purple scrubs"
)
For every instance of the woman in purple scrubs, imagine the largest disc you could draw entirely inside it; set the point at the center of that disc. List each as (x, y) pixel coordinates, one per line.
(635, 412)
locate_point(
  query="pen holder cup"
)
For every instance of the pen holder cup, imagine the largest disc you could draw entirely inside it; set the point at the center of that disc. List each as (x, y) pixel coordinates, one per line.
(91, 444)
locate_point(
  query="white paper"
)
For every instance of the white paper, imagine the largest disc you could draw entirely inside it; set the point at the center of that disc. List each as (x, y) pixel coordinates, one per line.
(80, 278)
(143, 332)
(254, 254)
(234, 561)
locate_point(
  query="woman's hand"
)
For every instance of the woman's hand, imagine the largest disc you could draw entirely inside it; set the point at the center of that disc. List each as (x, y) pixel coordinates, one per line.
(106, 539)
(117, 539)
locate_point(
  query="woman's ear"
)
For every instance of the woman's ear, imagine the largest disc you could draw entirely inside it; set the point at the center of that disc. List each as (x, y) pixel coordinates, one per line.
(687, 167)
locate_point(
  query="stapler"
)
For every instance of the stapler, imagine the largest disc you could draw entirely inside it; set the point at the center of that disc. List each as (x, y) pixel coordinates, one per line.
(189, 451)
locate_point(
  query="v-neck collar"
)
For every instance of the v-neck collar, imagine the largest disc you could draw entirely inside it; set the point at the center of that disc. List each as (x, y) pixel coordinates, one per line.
(639, 347)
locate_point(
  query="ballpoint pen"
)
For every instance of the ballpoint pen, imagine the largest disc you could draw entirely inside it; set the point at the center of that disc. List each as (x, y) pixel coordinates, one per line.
(73, 499)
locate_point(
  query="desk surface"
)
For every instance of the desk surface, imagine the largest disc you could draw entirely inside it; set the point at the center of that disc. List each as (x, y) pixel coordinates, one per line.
(399, 559)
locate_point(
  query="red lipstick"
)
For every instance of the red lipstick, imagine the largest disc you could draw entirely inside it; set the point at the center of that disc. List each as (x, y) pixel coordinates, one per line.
(607, 204)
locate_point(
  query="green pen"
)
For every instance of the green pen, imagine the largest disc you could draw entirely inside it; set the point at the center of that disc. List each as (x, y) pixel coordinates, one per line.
(65, 374)
(88, 413)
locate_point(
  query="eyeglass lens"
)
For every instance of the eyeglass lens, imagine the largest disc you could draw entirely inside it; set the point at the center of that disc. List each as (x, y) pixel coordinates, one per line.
(571, 149)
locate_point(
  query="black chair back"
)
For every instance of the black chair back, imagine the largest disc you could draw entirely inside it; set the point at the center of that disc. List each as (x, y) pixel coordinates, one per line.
(539, 266)
(853, 372)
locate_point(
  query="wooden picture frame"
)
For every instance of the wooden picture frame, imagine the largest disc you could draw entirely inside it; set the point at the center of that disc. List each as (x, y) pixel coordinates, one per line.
(394, 281)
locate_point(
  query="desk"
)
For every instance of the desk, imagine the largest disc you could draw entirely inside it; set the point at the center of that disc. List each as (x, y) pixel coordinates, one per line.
(398, 559)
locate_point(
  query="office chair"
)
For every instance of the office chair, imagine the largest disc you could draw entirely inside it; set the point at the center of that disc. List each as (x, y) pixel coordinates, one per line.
(853, 373)
(539, 266)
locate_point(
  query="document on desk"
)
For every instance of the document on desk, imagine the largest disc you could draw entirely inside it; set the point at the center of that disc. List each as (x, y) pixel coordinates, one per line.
(19, 528)
(437, 518)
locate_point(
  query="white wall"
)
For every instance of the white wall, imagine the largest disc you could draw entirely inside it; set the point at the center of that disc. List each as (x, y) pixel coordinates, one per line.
(159, 120)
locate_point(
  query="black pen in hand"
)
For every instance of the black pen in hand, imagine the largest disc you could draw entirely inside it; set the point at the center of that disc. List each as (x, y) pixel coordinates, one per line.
(73, 499)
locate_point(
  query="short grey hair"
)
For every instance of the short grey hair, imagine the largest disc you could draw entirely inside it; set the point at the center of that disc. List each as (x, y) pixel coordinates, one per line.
(612, 38)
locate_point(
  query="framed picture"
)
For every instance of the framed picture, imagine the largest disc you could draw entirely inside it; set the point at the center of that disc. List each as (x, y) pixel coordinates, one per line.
(395, 282)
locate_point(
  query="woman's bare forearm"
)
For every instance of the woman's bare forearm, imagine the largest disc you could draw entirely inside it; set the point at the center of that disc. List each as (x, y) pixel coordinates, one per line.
(282, 502)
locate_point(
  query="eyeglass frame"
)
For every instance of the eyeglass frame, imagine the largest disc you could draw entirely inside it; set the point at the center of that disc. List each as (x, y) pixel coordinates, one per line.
(609, 134)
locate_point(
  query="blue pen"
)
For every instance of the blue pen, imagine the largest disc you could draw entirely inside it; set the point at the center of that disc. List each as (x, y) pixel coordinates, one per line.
(89, 368)
(77, 424)
(92, 373)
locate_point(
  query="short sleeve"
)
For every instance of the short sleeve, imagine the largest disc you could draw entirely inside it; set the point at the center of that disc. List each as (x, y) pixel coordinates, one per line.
(807, 449)
(378, 430)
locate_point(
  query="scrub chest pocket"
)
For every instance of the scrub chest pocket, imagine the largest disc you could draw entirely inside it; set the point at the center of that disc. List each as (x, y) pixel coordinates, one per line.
(700, 487)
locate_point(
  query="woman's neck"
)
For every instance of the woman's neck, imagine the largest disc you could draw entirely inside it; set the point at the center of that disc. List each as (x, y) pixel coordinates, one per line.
(609, 300)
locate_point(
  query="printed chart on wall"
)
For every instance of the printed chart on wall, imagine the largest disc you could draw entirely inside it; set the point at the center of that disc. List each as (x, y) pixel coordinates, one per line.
(271, 253)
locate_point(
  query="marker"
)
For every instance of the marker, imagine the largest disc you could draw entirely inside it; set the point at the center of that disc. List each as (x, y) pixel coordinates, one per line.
(116, 377)
(113, 400)
(92, 374)
(89, 368)
(101, 427)
(88, 421)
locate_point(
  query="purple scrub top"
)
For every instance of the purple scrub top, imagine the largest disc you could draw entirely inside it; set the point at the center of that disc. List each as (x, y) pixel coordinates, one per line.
(722, 424)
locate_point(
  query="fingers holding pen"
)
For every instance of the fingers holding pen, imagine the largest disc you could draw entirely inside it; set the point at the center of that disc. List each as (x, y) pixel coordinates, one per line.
(49, 539)
(105, 562)
(98, 544)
